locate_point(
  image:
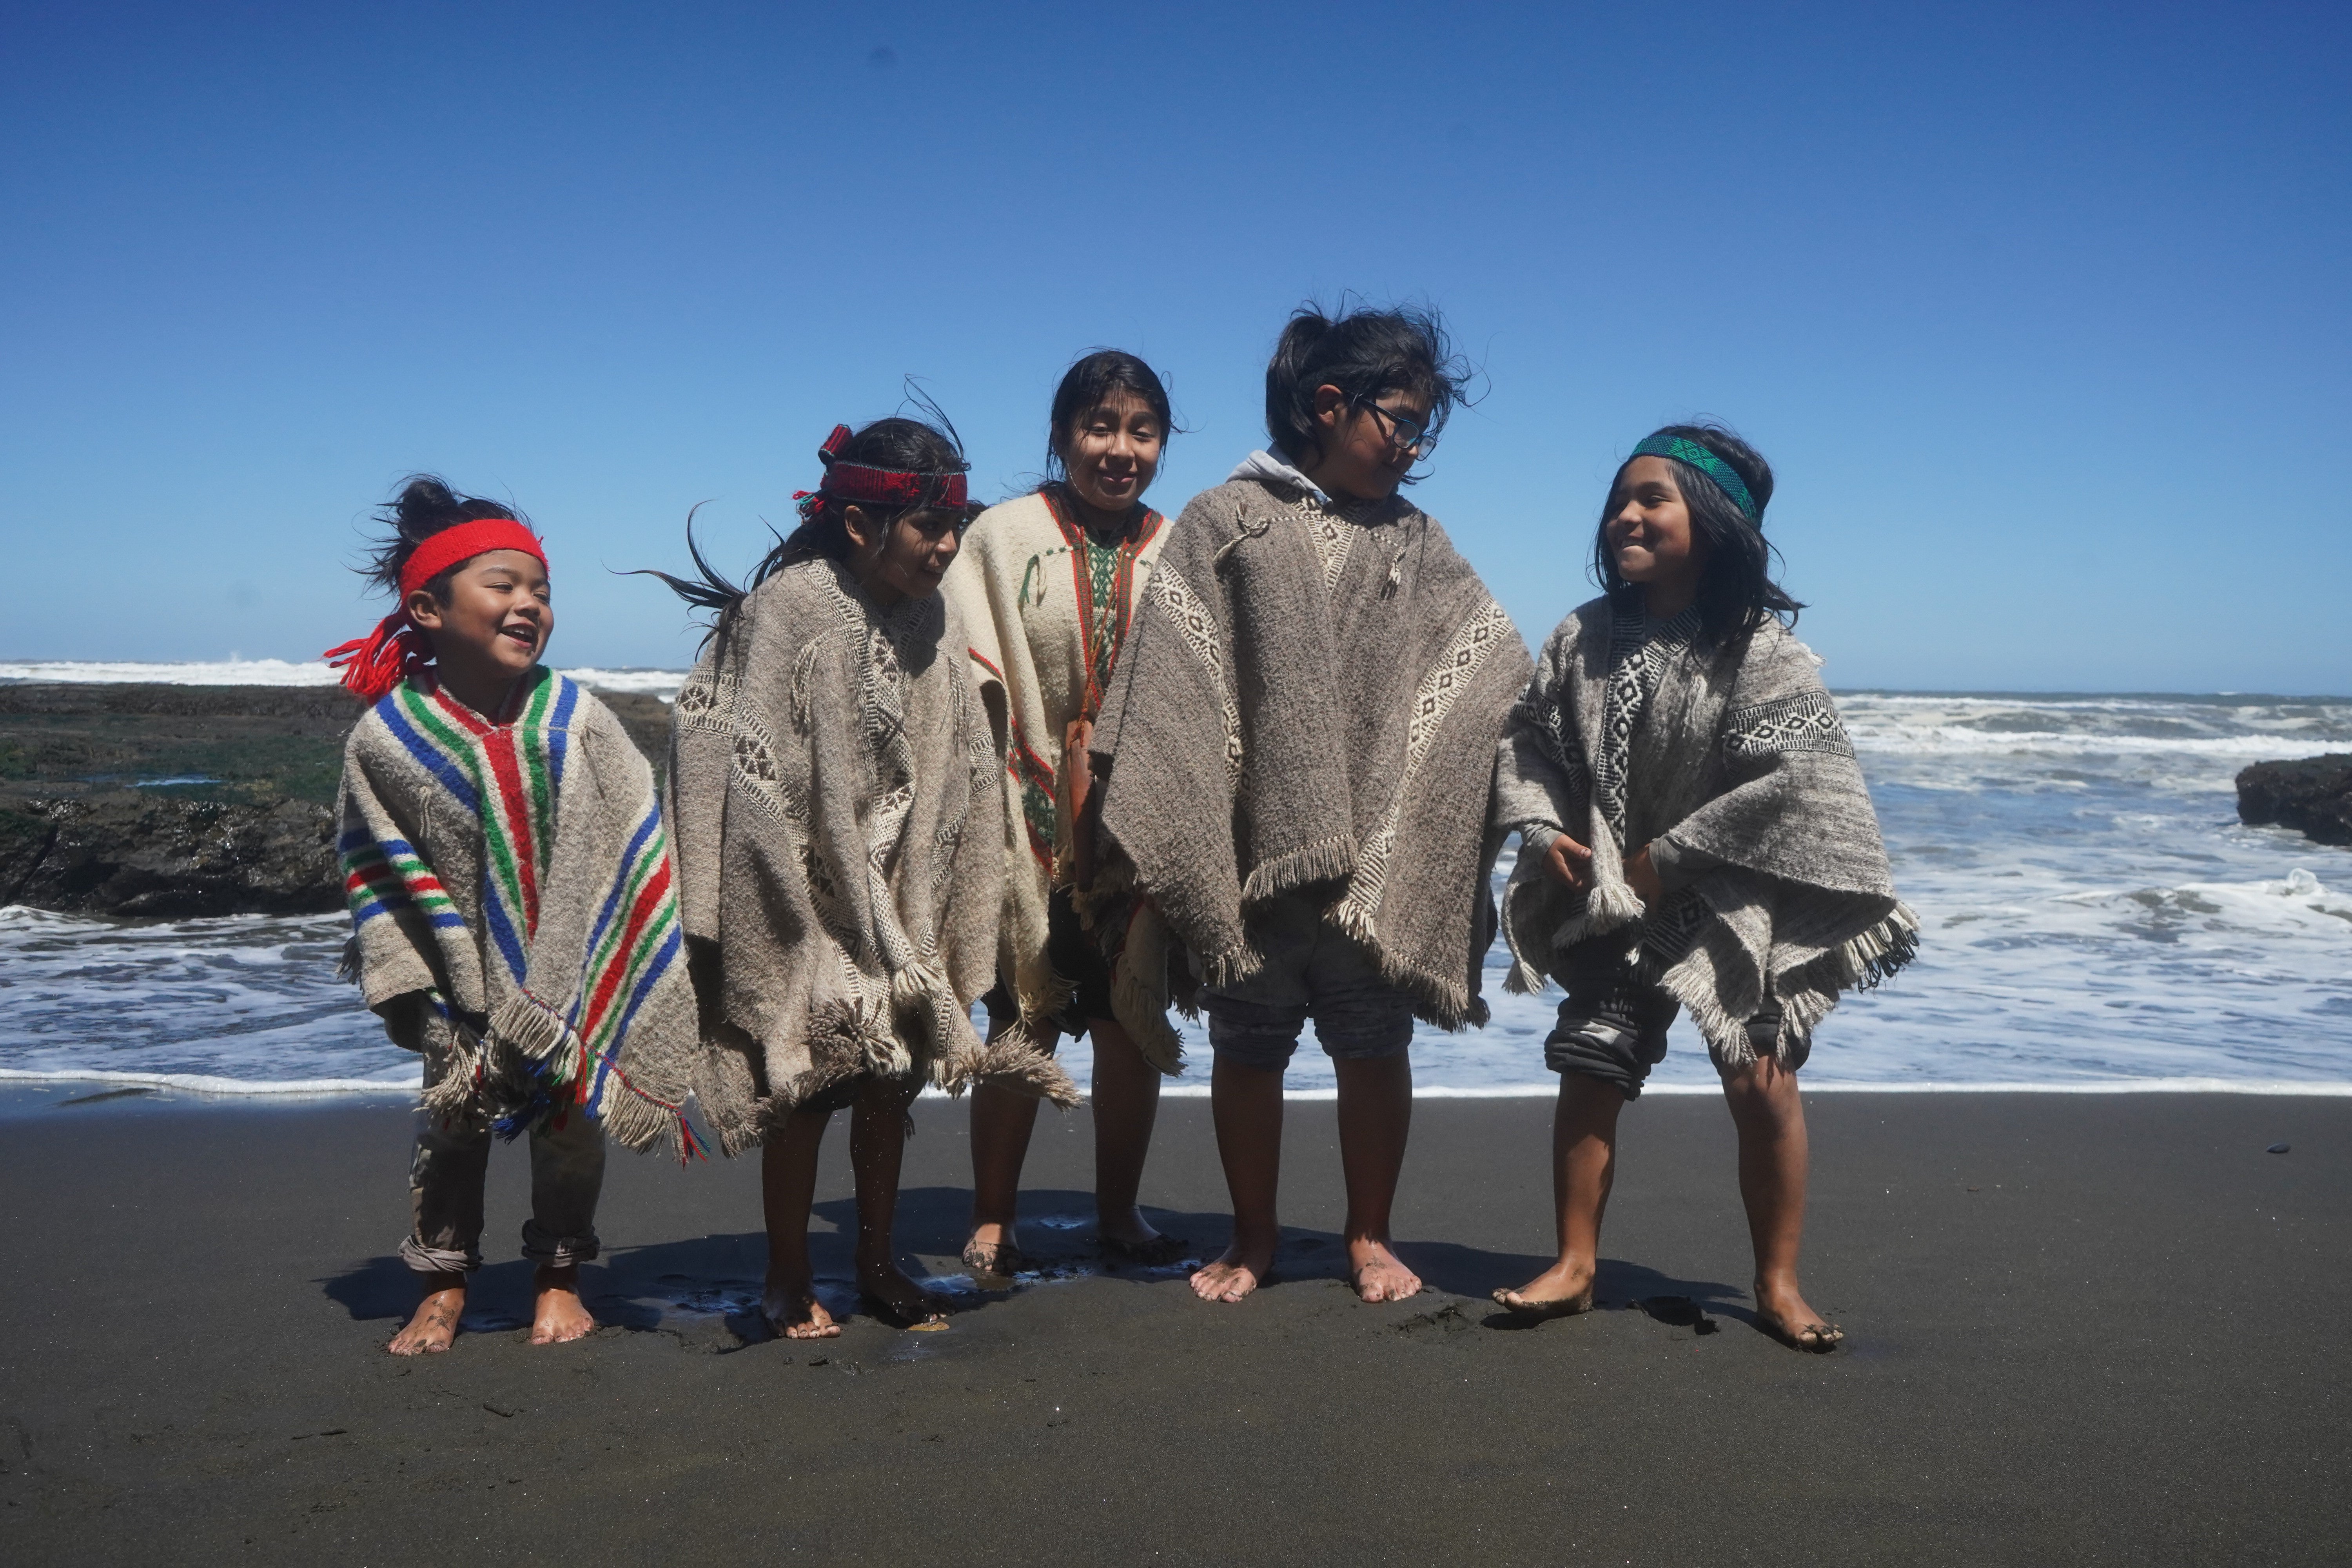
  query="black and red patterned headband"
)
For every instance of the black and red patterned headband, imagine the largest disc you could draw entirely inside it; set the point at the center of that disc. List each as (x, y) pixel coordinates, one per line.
(866, 485)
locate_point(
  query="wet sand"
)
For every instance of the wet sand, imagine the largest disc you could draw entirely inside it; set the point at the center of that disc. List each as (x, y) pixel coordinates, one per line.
(2093, 1329)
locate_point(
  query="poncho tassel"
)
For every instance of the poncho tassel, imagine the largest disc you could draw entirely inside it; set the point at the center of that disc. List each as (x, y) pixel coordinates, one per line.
(1324, 860)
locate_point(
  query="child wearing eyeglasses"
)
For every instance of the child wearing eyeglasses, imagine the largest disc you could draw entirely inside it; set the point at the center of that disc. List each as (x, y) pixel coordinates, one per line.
(1302, 731)
(841, 850)
(1695, 832)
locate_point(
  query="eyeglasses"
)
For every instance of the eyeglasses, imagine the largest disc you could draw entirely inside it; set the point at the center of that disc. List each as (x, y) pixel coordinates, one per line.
(1405, 435)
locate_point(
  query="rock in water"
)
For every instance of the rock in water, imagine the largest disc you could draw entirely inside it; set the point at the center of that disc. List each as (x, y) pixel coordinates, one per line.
(2313, 796)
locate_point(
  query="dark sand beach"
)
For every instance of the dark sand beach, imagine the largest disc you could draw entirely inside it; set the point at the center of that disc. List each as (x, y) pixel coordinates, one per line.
(2080, 1328)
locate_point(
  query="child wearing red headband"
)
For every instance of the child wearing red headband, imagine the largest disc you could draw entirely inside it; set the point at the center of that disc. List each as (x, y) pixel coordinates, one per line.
(513, 924)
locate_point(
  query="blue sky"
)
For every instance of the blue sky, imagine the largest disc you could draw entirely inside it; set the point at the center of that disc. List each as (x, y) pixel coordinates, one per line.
(2041, 312)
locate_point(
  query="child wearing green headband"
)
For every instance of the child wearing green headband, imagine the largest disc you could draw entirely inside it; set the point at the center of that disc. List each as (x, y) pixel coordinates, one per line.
(1695, 832)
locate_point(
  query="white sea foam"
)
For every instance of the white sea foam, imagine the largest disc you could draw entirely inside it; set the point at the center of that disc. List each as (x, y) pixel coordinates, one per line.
(2096, 921)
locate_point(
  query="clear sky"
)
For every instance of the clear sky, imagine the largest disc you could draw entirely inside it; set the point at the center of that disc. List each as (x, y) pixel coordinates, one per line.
(2039, 311)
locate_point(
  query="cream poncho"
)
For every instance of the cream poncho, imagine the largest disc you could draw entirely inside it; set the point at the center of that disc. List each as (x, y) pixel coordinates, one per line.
(1731, 764)
(512, 907)
(840, 850)
(1046, 608)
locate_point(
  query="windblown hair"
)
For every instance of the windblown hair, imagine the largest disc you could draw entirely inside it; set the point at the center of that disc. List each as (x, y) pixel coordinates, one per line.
(1735, 592)
(1086, 386)
(908, 445)
(1363, 353)
(425, 506)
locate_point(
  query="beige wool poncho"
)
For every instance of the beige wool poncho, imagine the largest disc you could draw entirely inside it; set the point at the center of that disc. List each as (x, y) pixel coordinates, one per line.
(840, 850)
(514, 916)
(1047, 608)
(1310, 697)
(1731, 764)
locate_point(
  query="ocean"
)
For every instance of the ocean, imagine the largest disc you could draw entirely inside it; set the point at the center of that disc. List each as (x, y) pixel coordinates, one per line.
(2095, 919)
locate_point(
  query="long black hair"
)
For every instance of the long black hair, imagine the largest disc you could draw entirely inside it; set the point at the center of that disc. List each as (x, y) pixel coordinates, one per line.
(1363, 353)
(1086, 386)
(425, 506)
(906, 446)
(1735, 592)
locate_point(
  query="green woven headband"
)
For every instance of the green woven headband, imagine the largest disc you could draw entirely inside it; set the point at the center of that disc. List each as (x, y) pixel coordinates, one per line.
(1727, 479)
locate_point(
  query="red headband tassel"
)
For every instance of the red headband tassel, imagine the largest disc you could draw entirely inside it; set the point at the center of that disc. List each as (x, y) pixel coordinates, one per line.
(374, 664)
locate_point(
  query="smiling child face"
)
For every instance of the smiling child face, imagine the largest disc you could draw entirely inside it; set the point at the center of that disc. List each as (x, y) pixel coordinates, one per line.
(1650, 531)
(1112, 451)
(494, 626)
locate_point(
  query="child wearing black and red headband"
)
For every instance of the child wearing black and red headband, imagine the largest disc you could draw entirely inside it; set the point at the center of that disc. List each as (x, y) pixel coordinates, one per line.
(513, 924)
(1695, 833)
(841, 848)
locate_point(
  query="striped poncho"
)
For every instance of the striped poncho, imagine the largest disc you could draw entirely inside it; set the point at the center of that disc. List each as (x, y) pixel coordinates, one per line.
(1046, 608)
(512, 908)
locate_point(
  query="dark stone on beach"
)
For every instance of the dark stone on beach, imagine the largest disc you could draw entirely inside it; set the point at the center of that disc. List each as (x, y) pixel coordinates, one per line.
(2313, 796)
(2275, 1148)
(183, 801)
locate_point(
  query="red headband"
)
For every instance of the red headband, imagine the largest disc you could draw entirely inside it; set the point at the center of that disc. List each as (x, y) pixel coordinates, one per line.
(881, 487)
(374, 664)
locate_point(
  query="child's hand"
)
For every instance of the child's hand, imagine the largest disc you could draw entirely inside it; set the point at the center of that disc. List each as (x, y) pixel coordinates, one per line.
(1569, 863)
(1643, 878)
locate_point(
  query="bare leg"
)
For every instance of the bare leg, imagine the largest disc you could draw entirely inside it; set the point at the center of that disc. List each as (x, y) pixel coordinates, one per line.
(1002, 1121)
(558, 1316)
(1773, 1156)
(1583, 1168)
(433, 1327)
(1126, 1105)
(1375, 1119)
(787, 1188)
(878, 1146)
(1247, 1104)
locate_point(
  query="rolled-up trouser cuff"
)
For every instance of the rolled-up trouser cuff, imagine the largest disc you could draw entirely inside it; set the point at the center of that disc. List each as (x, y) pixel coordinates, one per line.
(549, 1250)
(426, 1260)
(1358, 1025)
(1616, 1037)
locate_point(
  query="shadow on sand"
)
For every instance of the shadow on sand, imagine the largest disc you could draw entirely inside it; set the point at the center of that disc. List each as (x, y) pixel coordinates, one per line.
(706, 1290)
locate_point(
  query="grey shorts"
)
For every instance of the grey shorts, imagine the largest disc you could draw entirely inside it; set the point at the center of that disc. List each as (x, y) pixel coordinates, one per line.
(1613, 1026)
(1313, 970)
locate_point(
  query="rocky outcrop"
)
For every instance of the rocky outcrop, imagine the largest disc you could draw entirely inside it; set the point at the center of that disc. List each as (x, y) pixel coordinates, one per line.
(179, 801)
(120, 852)
(2313, 796)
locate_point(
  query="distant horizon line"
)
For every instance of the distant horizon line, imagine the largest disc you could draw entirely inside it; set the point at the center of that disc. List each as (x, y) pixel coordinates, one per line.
(2053, 693)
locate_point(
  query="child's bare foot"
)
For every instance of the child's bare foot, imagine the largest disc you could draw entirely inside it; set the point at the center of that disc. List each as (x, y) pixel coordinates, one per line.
(1376, 1274)
(560, 1316)
(1782, 1312)
(434, 1325)
(1561, 1290)
(899, 1300)
(792, 1310)
(1244, 1267)
(993, 1250)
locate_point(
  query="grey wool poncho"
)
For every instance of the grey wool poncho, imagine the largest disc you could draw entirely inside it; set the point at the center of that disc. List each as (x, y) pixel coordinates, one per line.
(1311, 696)
(513, 913)
(841, 851)
(1731, 764)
